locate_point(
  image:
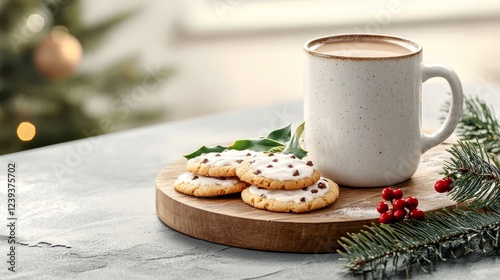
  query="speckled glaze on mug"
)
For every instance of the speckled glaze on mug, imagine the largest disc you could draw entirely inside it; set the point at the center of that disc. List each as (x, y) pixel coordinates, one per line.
(363, 114)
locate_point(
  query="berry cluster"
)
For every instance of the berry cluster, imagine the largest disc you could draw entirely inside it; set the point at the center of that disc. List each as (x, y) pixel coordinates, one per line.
(443, 186)
(401, 208)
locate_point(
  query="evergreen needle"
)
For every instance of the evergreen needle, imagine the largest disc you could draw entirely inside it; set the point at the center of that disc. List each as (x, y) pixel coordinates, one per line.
(479, 122)
(475, 174)
(442, 235)
(475, 171)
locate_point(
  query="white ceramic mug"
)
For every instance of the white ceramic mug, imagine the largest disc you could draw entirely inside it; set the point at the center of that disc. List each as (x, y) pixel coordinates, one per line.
(362, 107)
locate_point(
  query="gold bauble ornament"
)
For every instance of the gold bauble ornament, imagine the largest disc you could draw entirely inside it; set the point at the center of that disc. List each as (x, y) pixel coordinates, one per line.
(58, 55)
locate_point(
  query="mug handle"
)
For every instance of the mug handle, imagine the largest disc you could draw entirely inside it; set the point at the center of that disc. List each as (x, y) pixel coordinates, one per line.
(453, 117)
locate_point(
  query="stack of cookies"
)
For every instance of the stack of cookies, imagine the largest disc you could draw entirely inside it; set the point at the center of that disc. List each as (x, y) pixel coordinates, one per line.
(213, 174)
(272, 181)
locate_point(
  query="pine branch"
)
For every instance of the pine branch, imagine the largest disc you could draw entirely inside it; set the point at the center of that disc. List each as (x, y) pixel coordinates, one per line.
(12, 10)
(478, 121)
(92, 36)
(67, 13)
(450, 233)
(89, 36)
(442, 235)
(56, 107)
(475, 173)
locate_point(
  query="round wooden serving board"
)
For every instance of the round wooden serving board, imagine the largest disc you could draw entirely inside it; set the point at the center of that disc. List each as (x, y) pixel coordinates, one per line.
(228, 220)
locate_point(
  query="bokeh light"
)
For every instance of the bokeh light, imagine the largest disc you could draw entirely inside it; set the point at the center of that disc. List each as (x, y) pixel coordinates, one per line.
(26, 131)
(35, 23)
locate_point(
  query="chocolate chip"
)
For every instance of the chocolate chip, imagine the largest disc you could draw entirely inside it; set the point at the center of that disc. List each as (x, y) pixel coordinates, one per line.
(263, 195)
(303, 199)
(293, 156)
(195, 177)
(249, 154)
(310, 163)
(270, 166)
(305, 188)
(321, 185)
(257, 172)
(239, 160)
(290, 166)
(271, 154)
(314, 190)
(275, 160)
(296, 172)
(217, 155)
(204, 160)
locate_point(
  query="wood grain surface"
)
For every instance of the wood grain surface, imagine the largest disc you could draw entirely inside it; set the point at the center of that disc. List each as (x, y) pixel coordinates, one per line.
(228, 220)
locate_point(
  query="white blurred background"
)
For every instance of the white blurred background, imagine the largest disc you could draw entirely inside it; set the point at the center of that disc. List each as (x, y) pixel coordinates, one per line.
(232, 54)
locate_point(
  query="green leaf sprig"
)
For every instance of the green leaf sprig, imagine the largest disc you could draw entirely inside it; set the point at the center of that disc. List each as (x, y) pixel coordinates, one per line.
(279, 140)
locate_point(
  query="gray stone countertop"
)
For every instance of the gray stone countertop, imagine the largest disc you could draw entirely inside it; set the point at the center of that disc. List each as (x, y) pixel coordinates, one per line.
(86, 209)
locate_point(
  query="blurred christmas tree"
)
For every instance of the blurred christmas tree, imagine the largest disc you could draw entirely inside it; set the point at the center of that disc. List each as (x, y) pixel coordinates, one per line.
(43, 100)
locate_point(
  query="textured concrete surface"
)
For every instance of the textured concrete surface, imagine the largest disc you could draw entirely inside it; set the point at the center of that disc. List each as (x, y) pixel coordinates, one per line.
(94, 200)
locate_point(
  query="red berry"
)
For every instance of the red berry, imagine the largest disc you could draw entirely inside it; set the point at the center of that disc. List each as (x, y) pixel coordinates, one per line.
(450, 183)
(398, 193)
(441, 186)
(411, 202)
(387, 194)
(399, 204)
(449, 180)
(399, 215)
(387, 217)
(382, 207)
(417, 214)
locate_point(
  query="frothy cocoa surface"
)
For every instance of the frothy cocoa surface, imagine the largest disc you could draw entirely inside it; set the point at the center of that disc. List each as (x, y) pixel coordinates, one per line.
(363, 47)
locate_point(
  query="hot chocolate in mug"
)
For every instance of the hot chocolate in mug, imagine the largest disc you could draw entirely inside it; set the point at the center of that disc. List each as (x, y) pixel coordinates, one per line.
(362, 107)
